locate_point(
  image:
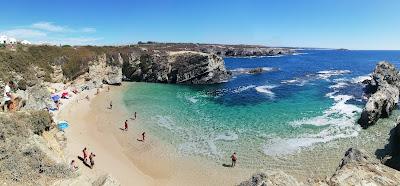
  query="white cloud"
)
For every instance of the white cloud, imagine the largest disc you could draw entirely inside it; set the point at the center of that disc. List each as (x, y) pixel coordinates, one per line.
(88, 30)
(24, 33)
(70, 41)
(48, 26)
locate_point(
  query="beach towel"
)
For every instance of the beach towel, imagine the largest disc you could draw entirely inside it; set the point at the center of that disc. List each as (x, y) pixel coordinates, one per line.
(62, 125)
(55, 97)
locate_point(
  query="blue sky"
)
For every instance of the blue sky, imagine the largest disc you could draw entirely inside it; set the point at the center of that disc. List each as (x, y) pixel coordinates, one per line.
(354, 24)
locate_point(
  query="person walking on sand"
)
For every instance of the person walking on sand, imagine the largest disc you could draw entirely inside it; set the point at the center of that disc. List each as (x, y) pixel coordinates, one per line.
(134, 116)
(110, 105)
(126, 125)
(234, 158)
(143, 136)
(85, 154)
(91, 156)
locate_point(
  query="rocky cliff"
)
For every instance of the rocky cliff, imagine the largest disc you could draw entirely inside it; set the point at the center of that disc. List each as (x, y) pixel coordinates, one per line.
(383, 90)
(355, 168)
(183, 67)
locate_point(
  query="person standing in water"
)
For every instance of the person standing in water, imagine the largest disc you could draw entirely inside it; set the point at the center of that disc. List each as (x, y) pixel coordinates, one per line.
(126, 125)
(134, 116)
(234, 158)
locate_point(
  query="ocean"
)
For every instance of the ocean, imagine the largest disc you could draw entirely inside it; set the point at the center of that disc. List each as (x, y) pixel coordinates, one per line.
(301, 102)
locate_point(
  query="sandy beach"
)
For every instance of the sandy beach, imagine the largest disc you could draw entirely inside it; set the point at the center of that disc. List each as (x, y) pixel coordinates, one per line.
(120, 154)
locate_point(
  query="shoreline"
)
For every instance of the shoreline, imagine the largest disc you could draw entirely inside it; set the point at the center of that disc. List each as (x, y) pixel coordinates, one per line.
(156, 162)
(121, 155)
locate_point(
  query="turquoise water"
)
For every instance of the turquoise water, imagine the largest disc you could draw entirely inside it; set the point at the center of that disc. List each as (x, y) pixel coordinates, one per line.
(303, 100)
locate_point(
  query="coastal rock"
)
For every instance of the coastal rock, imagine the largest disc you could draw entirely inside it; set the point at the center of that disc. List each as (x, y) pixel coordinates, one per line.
(256, 70)
(57, 76)
(106, 180)
(35, 98)
(106, 69)
(384, 88)
(357, 169)
(270, 178)
(176, 67)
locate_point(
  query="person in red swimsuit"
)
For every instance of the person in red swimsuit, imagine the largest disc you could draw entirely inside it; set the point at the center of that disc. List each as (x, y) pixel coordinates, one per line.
(85, 154)
(126, 125)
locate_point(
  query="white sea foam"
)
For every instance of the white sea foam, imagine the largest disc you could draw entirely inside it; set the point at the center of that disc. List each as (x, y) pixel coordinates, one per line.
(165, 121)
(339, 85)
(266, 89)
(296, 81)
(338, 122)
(243, 88)
(360, 79)
(325, 74)
(227, 136)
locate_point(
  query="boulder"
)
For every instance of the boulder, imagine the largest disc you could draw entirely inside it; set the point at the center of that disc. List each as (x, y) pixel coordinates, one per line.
(356, 168)
(384, 94)
(270, 178)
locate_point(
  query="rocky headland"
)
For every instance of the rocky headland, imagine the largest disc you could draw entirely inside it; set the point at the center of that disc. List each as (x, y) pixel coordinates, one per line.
(32, 146)
(383, 93)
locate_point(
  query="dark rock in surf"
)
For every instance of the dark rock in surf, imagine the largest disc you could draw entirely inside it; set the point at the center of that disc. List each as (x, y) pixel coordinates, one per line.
(384, 94)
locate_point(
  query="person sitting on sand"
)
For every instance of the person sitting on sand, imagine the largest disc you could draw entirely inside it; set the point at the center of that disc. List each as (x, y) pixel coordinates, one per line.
(91, 156)
(7, 99)
(73, 166)
(85, 154)
(126, 125)
(234, 158)
(87, 97)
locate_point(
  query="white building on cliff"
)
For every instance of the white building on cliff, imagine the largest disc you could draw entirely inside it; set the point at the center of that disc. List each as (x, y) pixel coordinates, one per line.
(5, 40)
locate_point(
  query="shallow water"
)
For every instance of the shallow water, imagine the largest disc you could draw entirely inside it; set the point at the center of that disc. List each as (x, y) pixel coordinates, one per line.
(301, 104)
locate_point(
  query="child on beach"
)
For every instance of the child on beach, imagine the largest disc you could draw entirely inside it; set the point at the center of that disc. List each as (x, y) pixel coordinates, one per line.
(234, 158)
(92, 155)
(73, 166)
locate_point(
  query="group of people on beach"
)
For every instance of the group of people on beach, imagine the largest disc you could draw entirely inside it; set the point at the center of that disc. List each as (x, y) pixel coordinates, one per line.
(84, 159)
(126, 126)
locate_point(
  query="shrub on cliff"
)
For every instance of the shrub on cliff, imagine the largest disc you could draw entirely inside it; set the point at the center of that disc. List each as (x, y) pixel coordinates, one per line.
(40, 121)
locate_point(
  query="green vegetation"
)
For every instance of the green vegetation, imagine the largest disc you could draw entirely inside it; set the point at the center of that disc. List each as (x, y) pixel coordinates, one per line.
(74, 60)
(22, 162)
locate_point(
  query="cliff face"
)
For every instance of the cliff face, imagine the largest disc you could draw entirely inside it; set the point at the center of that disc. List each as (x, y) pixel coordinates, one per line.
(384, 90)
(106, 69)
(176, 67)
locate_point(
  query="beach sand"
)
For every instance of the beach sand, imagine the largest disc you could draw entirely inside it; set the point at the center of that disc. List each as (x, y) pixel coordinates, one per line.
(119, 153)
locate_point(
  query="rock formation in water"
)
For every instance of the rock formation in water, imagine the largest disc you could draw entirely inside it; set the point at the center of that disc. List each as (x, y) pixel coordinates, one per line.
(176, 67)
(384, 90)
